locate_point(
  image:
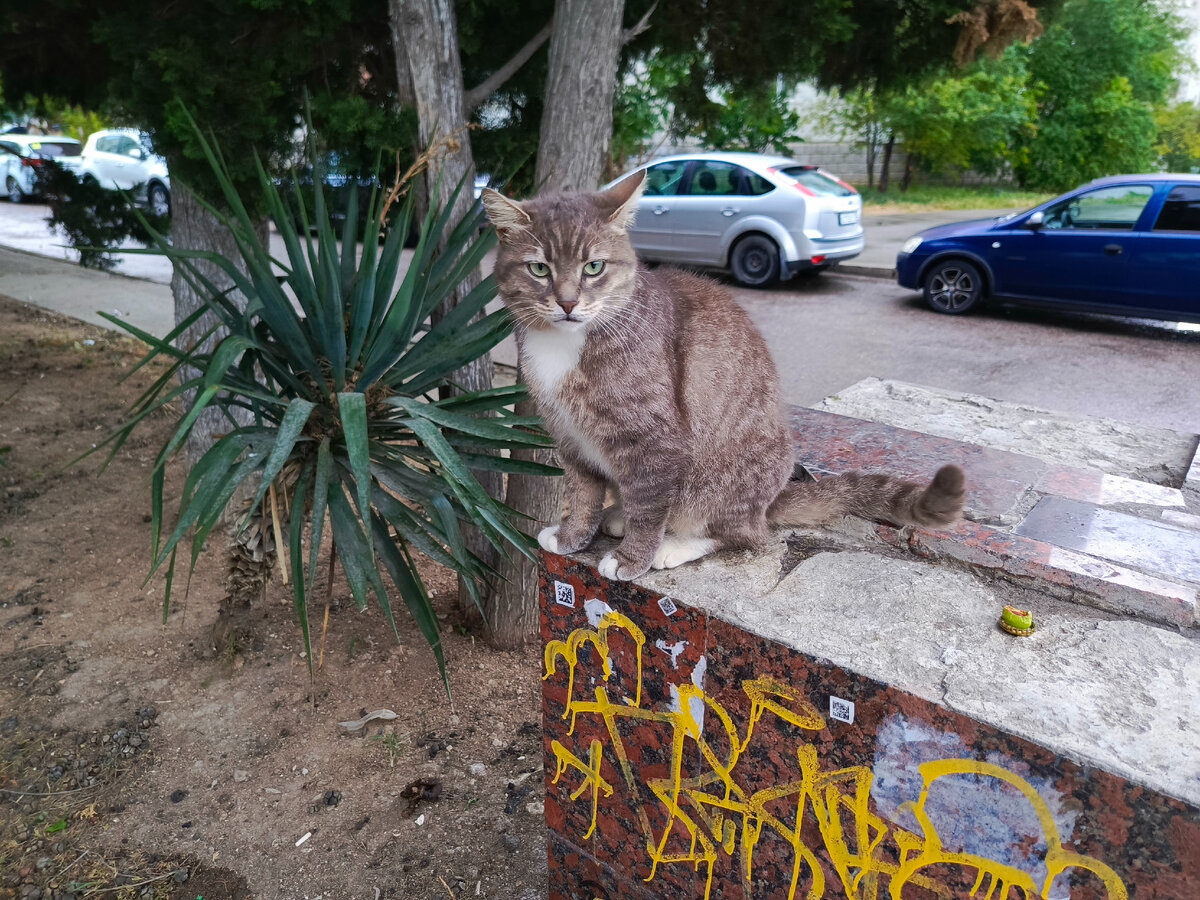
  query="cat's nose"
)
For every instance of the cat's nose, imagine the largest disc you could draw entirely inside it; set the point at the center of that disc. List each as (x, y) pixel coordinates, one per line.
(568, 305)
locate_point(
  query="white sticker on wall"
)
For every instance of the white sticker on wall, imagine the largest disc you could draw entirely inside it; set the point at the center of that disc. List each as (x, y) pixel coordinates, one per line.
(841, 710)
(564, 594)
(667, 606)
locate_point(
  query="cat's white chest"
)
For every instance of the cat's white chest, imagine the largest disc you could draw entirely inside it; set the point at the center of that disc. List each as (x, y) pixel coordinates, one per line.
(550, 356)
(547, 358)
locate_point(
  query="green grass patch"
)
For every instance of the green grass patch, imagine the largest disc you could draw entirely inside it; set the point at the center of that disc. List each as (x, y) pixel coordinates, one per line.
(926, 197)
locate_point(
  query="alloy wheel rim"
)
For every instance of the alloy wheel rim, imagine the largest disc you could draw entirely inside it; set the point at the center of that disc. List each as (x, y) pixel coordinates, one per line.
(952, 289)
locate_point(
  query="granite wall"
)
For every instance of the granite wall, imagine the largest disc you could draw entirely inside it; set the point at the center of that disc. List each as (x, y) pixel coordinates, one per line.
(688, 758)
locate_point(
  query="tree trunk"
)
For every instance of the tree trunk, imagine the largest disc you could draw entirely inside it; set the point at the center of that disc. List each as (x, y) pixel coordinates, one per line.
(909, 165)
(576, 132)
(577, 123)
(426, 38)
(887, 163)
(194, 228)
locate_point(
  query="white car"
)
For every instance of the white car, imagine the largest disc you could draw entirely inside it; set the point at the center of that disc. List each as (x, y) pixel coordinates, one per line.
(22, 155)
(122, 159)
(763, 218)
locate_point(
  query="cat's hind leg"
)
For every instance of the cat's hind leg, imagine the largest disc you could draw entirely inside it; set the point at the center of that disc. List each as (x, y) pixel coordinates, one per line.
(675, 550)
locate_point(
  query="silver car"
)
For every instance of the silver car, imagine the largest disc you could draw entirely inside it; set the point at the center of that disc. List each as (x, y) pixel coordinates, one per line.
(763, 218)
(23, 155)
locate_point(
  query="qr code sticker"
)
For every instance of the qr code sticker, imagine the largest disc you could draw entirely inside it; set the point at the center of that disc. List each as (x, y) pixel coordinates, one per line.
(564, 594)
(667, 606)
(841, 710)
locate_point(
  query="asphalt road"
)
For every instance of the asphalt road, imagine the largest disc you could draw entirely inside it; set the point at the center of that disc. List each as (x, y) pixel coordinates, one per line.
(825, 333)
(836, 330)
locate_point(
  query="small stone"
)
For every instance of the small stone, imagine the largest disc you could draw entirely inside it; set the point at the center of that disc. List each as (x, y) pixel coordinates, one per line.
(135, 741)
(180, 876)
(241, 775)
(512, 843)
(478, 770)
(537, 808)
(333, 798)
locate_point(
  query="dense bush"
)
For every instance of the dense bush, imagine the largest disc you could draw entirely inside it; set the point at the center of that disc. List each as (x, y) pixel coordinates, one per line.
(95, 221)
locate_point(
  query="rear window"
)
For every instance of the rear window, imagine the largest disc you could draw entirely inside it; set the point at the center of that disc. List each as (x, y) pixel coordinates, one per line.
(1181, 212)
(51, 149)
(817, 181)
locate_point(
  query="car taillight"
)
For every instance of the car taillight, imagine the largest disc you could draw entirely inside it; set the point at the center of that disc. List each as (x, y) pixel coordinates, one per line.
(817, 260)
(32, 162)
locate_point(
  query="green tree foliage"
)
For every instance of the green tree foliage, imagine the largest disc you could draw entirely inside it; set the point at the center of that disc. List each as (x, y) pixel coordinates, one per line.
(755, 117)
(1179, 137)
(1099, 73)
(965, 121)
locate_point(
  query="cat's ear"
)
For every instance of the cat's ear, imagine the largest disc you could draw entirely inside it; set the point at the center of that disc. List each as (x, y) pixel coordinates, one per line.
(505, 214)
(623, 198)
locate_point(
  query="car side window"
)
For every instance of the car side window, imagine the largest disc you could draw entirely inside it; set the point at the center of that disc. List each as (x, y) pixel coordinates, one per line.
(1114, 208)
(755, 184)
(125, 144)
(107, 144)
(663, 180)
(715, 179)
(1181, 211)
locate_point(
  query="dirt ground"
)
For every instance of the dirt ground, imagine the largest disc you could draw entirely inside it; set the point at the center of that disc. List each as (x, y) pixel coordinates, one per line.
(135, 761)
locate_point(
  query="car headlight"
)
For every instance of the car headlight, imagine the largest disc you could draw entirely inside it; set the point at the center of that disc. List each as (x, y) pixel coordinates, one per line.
(911, 244)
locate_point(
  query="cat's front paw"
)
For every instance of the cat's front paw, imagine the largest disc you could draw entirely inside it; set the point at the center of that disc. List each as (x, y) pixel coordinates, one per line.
(548, 539)
(612, 568)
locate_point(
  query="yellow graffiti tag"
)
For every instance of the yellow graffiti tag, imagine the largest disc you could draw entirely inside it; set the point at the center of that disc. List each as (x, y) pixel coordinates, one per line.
(722, 820)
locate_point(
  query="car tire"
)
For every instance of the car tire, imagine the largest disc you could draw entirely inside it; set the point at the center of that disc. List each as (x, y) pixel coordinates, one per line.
(755, 261)
(158, 198)
(15, 194)
(954, 287)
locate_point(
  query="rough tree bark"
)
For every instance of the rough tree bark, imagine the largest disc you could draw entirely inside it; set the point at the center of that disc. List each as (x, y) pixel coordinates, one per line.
(425, 34)
(885, 168)
(193, 227)
(577, 122)
(576, 132)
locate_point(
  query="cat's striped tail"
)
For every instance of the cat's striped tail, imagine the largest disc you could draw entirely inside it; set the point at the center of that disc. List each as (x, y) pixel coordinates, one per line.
(880, 497)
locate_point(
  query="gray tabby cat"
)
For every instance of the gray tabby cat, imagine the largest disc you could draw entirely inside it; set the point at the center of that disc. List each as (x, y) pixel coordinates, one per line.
(656, 384)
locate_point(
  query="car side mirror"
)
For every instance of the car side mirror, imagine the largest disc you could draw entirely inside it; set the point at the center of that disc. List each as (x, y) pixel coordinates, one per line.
(1036, 221)
(136, 153)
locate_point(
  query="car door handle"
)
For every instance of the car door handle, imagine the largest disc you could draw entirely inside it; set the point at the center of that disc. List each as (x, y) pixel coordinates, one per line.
(729, 211)
(659, 210)
(1113, 249)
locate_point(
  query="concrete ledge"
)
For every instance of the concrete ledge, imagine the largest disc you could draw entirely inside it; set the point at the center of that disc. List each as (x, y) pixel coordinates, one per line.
(826, 722)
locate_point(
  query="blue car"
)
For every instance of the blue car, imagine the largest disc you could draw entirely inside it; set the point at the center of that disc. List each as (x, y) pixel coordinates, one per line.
(1125, 245)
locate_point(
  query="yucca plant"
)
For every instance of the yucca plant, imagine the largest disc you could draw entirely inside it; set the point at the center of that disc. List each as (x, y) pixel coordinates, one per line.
(342, 387)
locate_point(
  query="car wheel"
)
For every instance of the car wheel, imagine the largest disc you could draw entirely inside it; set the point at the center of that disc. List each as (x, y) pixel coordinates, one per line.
(159, 200)
(953, 287)
(15, 194)
(755, 261)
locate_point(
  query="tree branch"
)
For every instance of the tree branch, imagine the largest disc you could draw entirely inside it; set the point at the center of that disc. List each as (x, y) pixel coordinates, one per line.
(642, 24)
(491, 84)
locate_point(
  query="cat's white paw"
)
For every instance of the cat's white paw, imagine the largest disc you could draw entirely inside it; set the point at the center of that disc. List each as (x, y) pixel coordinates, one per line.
(675, 551)
(548, 539)
(608, 566)
(613, 523)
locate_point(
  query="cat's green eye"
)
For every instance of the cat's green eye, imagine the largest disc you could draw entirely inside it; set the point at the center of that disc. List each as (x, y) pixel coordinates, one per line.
(595, 267)
(541, 270)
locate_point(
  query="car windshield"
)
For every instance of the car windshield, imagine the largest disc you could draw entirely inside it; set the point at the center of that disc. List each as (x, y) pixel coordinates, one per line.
(817, 181)
(50, 149)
